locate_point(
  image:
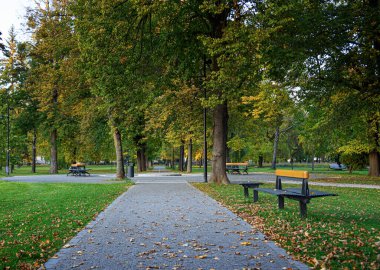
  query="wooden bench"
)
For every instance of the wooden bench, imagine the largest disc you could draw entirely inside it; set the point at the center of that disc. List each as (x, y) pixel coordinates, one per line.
(246, 186)
(78, 169)
(336, 166)
(237, 167)
(303, 194)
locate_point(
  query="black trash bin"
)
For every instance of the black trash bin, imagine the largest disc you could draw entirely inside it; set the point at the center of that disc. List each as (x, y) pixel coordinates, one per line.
(131, 170)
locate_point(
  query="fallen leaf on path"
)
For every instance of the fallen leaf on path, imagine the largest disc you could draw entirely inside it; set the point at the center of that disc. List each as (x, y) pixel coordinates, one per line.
(200, 257)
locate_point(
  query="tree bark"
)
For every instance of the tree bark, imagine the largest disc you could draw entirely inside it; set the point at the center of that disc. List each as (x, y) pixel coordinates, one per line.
(172, 161)
(275, 146)
(374, 163)
(374, 159)
(146, 161)
(120, 173)
(220, 116)
(374, 156)
(261, 160)
(190, 157)
(139, 161)
(34, 150)
(53, 152)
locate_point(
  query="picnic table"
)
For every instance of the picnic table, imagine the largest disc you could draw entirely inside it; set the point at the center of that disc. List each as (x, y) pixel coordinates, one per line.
(337, 166)
(246, 185)
(237, 167)
(78, 169)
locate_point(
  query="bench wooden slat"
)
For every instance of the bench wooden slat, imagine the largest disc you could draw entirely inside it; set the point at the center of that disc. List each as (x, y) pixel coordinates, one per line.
(293, 174)
(237, 164)
(312, 193)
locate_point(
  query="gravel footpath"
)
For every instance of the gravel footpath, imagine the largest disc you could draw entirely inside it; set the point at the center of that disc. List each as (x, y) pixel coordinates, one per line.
(166, 225)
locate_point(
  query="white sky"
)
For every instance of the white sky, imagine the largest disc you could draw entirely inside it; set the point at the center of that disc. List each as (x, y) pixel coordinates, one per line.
(12, 12)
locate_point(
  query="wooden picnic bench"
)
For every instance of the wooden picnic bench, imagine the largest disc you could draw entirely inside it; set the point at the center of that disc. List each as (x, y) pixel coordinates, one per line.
(303, 194)
(246, 185)
(237, 167)
(336, 166)
(78, 169)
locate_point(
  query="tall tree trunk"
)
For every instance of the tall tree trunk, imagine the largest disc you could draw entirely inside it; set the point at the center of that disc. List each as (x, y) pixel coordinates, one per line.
(181, 157)
(374, 163)
(146, 160)
(218, 174)
(312, 162)
(172, 161)
(139, 161)
(53, 152)
(120, 173)
(261, 160)
(275, 146)
(374, 156)
(190, 157)
(34, 150)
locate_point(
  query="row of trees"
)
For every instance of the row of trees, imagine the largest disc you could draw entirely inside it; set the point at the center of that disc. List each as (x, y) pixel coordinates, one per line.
(301, 77)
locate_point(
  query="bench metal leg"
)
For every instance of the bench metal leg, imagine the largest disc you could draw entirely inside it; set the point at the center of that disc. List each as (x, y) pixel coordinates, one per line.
(246, 192)
(281, 202)
(303, 209)
(255, 195)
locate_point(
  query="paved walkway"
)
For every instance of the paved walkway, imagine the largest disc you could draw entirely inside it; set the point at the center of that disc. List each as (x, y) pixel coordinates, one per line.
(164, 223)
(172, 177)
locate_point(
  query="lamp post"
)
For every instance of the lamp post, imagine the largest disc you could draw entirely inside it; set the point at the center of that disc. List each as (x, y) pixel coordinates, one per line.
(8, 141)
(204, 124)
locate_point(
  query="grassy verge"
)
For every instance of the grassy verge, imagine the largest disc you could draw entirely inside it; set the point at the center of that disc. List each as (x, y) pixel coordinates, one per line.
(37, 219)
(350, 179)
(340, 232)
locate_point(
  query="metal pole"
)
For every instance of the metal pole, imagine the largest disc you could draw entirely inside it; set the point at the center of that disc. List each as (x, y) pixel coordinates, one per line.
(204, 126)
(8, 140)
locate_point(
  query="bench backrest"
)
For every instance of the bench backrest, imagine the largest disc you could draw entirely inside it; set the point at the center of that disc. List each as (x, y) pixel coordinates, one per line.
(237, 164)
(293, 175)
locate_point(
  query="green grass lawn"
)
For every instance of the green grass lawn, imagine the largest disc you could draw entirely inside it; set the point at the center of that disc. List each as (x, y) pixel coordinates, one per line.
(37, 219)
(340, 232)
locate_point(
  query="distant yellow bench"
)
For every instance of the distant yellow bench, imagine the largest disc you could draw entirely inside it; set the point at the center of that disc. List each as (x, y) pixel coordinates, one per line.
(237, 167)
(78, 169)
(303, 194)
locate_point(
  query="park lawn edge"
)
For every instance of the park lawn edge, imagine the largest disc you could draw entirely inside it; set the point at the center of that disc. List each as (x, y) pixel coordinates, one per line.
(328, 236)
(42, 246)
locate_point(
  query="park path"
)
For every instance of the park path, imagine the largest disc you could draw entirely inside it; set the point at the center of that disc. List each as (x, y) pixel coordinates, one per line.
(165, 223)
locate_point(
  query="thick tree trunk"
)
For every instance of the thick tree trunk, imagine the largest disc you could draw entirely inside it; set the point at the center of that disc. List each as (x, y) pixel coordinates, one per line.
(190, 157)
(374, 156)
(218, 174)
(141, 158)
(34, 151)
(120, 173)
(181, 157)
(53, 152)
(139, 161)
(172, 161)
(275, 146)
(146, 161)
(374, 163)
(261, 160)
